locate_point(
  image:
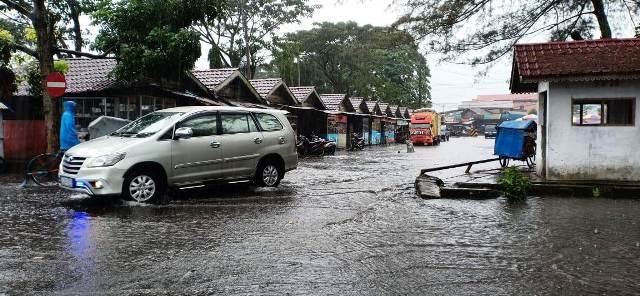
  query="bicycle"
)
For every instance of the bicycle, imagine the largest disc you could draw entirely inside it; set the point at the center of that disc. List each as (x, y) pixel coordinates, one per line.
(43, 169)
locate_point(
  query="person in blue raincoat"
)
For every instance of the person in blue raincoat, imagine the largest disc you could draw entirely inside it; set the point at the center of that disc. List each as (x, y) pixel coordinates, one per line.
(68, 132)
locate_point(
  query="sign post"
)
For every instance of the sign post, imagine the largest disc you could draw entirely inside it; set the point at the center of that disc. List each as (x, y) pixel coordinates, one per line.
(56, 84)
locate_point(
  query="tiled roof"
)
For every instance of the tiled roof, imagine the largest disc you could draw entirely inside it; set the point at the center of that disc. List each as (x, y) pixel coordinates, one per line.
(265, 86)
(383, 107)
(211, 78)
(332, 101)
(394, 108)
(302, 92)
(585, 57)
(356, 101)
(371, 105)
(89, 74)
(403, 111)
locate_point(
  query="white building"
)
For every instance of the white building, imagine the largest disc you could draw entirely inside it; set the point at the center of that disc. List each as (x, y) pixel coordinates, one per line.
(588, 92)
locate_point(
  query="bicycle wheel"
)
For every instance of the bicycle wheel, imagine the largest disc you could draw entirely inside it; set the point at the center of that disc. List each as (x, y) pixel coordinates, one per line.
(43, 169)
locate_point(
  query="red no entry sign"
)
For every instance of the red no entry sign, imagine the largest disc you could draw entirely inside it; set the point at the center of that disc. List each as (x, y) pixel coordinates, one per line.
(56, 84)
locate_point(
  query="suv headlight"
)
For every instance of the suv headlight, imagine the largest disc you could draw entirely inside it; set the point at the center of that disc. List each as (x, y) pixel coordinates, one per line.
(106, 160)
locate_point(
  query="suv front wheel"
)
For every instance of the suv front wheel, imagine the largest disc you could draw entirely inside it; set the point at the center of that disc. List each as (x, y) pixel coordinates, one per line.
(143, 186)
(268, 174)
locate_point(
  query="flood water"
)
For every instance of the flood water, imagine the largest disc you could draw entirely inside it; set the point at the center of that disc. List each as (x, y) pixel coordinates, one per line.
(343, 225)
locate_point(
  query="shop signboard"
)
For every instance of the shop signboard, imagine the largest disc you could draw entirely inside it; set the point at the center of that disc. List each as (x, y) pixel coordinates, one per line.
(376, 131)
(337, 130)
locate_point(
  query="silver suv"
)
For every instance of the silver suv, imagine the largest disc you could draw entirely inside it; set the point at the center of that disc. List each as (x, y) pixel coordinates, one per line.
(182, 147)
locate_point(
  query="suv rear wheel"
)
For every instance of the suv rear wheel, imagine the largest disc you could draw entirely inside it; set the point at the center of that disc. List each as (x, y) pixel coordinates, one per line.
(143, 186)
(268, 174)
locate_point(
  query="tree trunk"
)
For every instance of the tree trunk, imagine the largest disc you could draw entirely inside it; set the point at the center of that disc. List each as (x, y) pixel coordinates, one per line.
(603, 22)
(77, 31)
(44, 33)
(247, 48)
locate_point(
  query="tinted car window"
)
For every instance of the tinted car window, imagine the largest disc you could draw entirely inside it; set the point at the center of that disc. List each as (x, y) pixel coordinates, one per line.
(202, 126)
(236, 123)
(268, 122)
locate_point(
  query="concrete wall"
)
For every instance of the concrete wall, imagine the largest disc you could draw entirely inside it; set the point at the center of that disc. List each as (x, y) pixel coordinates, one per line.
(590, 152)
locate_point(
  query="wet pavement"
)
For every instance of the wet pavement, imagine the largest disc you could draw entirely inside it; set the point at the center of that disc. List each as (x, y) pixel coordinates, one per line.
(343, 225)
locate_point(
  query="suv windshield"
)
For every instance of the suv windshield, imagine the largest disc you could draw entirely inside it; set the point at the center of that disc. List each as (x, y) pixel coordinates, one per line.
(147, 125)
(490, 128)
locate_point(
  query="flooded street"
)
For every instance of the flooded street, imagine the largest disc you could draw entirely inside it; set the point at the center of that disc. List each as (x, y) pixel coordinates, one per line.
(343, 225)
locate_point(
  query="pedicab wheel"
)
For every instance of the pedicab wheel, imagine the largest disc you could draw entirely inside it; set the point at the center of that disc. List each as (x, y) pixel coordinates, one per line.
(504, 162)
(531, 161)
(43, 169)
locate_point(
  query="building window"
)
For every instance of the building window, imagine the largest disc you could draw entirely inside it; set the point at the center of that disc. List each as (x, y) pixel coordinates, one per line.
(590, 112)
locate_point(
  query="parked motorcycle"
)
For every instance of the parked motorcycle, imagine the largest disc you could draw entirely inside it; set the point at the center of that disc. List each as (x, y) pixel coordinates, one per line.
(357, 142)
(315, 146)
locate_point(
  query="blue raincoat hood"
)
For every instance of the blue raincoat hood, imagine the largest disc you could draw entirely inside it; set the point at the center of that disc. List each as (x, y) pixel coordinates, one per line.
(69, 106)
(68, 132)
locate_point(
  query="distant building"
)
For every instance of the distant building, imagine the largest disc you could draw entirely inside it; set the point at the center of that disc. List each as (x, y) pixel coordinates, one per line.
(524, 102)
(589, 128)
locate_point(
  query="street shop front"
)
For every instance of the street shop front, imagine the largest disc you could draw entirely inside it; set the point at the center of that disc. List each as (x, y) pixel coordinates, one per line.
(376, 130)
(358, 124)
(308, 121)
(402, 130)
(389, 130)
(337, 129)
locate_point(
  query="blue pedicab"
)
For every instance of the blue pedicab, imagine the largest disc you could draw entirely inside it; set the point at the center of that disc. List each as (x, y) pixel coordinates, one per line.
(516, 140)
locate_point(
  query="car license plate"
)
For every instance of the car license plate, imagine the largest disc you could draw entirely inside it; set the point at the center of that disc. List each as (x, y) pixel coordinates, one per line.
(66, 182)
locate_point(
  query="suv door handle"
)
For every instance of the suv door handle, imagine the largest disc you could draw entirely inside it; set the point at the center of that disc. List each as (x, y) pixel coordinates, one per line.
(214, 144)
(257, 140)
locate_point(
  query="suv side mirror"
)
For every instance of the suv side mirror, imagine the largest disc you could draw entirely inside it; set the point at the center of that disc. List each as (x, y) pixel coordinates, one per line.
(183, 133)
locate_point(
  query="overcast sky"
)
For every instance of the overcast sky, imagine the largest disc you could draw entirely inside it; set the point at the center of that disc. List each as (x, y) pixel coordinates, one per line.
(450, 83)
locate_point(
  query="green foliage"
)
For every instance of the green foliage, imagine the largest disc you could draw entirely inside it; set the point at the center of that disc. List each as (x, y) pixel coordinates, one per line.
(533, 111)
(7, 76)
(61, 66)
(252, 24)
(374, 62)
(153, 38)
(34, 80)
(514, 184)
(480, 32)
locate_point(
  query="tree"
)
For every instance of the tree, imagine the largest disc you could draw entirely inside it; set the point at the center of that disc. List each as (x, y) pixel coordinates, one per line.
(483, 31)
(153, 39)
(375, 62)
(533, 111)
(42, 18)
(245, 29)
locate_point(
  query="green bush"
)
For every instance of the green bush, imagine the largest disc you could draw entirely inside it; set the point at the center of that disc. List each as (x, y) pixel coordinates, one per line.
(514, 184)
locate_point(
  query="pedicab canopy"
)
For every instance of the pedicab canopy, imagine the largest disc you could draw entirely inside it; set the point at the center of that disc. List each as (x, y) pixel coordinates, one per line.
(510, 138)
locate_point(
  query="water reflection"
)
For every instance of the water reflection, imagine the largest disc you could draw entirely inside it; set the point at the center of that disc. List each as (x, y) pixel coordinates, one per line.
(80, 244)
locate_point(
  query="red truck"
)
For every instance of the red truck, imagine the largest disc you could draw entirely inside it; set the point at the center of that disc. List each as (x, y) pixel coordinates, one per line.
(425, 127)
